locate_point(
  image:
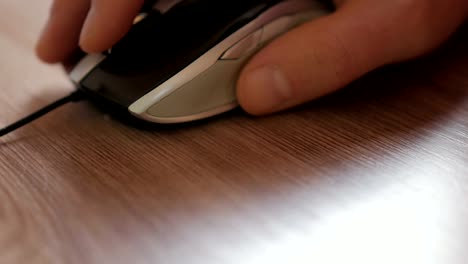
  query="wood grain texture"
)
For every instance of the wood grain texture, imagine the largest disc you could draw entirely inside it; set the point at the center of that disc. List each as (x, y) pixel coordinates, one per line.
(377, 173)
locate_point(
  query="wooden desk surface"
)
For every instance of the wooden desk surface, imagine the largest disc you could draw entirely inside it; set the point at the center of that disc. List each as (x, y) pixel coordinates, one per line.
(377, 173)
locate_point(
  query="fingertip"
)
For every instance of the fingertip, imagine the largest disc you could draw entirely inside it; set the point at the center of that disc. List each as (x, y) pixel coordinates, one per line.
(95, 39)
(263, 89)
(90, 39)
(247, 96)
(106, 23)
(46, 52)
(59, 37)
(40, 53)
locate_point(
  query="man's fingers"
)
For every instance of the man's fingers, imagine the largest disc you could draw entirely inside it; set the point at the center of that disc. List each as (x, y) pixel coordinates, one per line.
(61, 34)
(308, 62)
(107, 22)
(322, 56)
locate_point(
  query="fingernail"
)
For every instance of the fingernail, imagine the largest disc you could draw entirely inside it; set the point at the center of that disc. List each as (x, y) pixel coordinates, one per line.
(268, 88)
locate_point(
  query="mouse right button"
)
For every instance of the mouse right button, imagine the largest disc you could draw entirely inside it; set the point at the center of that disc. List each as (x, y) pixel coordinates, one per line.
(244, 46)
(284, 24)
(276, 28)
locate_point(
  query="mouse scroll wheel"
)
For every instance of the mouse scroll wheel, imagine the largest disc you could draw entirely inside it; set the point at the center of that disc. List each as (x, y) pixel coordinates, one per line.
(139, 18)
(147, 8)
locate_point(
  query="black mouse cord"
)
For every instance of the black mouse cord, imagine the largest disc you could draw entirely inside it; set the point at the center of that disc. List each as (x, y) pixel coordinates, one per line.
(73, 97)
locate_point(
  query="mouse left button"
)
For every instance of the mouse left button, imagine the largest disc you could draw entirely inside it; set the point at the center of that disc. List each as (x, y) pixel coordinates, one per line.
(85, 66)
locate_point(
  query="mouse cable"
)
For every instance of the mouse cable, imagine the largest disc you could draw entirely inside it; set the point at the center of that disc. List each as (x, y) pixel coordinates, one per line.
(73, 97)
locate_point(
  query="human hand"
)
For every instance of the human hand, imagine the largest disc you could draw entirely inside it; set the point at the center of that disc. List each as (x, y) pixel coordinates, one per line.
(92, 25)
(312, 60)
(326, 54)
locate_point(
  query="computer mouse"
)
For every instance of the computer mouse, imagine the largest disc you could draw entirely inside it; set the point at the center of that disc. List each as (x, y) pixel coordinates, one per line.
(182, 64)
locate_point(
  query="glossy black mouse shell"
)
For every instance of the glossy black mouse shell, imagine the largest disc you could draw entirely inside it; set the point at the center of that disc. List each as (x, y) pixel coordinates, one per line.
(161, 46)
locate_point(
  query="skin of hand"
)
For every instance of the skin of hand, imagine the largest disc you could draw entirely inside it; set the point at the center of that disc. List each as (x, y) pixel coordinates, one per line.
(310, 61)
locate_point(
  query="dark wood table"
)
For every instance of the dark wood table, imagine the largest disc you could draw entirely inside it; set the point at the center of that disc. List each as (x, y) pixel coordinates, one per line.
(376, 173)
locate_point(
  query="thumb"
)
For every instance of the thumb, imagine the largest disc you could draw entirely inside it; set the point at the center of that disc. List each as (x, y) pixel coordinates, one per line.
(317, 58)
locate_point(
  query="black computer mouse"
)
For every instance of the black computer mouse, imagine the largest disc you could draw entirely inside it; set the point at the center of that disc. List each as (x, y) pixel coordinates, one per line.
(182, 64)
